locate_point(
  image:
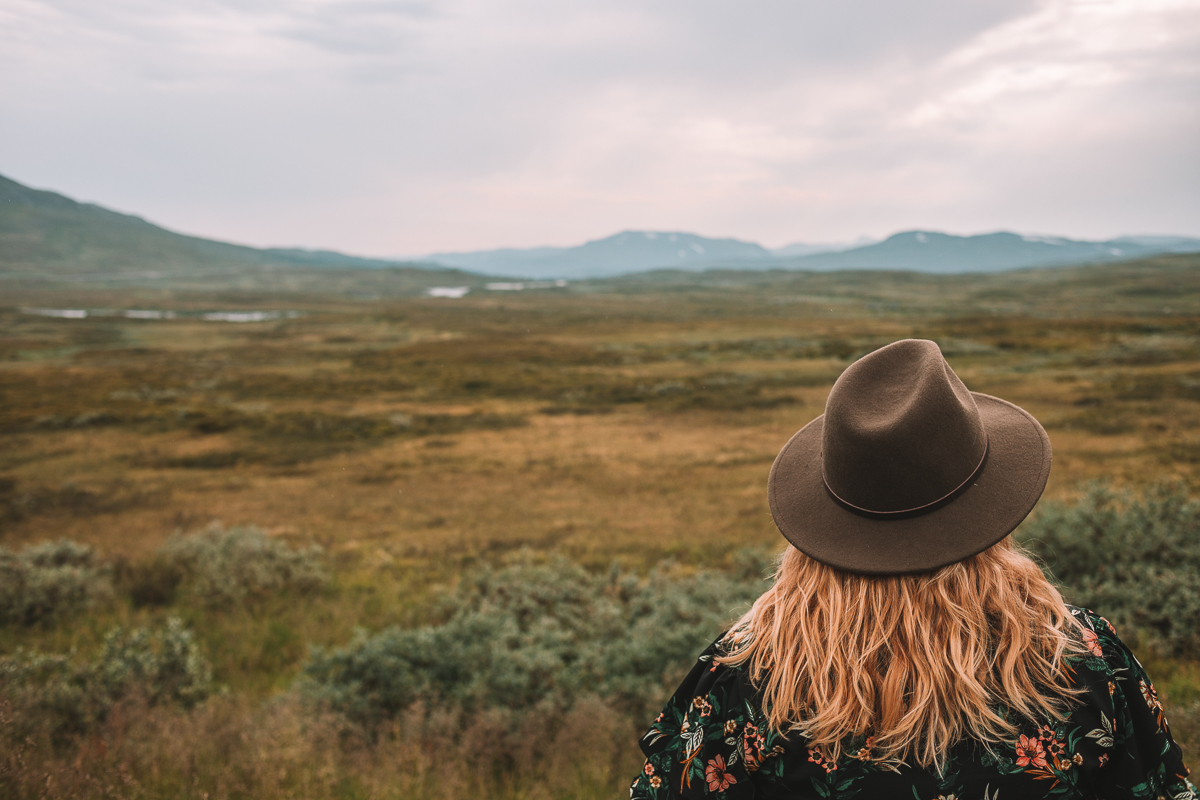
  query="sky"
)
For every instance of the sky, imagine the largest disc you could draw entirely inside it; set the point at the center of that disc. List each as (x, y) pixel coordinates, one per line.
(401, 127)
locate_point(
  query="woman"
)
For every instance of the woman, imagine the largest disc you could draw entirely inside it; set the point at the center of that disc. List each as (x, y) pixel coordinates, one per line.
(907, 648)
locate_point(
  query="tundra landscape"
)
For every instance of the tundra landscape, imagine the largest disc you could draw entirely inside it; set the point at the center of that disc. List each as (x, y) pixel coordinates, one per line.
(350, 540)
(416, 441)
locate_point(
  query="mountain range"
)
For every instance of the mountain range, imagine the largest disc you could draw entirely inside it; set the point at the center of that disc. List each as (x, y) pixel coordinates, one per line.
(45, 235)
(918, 251)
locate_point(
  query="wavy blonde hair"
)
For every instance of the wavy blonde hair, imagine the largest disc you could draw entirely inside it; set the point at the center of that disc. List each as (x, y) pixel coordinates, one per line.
(914, 662)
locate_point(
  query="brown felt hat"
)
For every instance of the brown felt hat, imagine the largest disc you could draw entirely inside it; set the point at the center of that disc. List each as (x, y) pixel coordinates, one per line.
(907, 470)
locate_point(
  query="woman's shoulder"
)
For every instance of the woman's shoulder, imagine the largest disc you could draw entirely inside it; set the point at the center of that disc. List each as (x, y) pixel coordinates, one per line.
(715, 698)
(1104, 651)
(713, 686)
(709, 737)
(1129, 735)
(1091, 620)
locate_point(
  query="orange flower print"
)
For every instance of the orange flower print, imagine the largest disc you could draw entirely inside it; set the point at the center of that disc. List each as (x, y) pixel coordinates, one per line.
(752, 746)
(730, 727)
(655, 782)
(1092, 641)
(864, 753)
(818, 758)
(648, 769)
(718, 779)
(1053, 746)
(1029, 751)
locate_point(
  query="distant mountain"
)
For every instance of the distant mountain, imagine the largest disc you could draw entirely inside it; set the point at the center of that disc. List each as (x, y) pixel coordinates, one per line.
(802, 249)
(629, 251)
(927, 251)
(1162, 244)
(917, 251)
(46, 235)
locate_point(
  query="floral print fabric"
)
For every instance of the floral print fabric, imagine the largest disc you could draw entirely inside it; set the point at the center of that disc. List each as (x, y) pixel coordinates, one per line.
(712, 740)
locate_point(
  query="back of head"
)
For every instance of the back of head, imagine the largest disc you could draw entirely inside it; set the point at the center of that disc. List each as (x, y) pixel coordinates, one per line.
(915, 662)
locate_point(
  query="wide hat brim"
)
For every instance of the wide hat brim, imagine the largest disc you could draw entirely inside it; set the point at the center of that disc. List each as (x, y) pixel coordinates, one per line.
(1002, 494)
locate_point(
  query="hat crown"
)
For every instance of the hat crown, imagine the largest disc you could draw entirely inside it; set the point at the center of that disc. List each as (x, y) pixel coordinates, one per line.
(901, 430)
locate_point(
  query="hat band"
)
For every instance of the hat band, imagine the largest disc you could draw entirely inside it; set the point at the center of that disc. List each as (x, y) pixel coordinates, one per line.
(910, 512)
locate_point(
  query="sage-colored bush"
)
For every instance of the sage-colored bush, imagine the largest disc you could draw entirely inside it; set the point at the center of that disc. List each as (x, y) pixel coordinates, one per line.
(1134, 559)
(536, 635)
(58, 696)
(49, 581)
(219, 567)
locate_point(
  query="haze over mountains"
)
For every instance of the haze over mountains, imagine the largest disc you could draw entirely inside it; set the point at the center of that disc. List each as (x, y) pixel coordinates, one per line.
(44, 235)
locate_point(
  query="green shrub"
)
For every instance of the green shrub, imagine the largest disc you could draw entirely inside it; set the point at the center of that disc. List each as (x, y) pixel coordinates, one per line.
(535, 635)
(58, 697)
(219, 567)
(48, 581)
(1135, 560)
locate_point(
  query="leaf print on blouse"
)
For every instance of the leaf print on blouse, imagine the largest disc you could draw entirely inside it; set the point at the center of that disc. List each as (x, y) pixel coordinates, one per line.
(1104, 734)
(718, 779)
(693, 742)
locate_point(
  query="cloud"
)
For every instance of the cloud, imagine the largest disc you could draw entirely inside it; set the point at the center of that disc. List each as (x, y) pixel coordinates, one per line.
(1067, 48)
(391, 127)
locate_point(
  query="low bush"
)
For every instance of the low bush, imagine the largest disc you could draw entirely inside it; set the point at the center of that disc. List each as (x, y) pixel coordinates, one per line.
(48, 581)
(532, 636)
(220, 567)
(57, 697)
(1134, 559)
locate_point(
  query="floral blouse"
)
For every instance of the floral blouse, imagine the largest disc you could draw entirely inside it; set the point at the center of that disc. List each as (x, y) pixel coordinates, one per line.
(712, 739)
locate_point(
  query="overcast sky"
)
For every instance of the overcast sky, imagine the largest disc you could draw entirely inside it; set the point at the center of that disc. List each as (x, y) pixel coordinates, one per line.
(381, 127)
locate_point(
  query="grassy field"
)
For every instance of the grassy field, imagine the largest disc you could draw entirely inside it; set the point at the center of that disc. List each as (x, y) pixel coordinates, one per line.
(625, 422)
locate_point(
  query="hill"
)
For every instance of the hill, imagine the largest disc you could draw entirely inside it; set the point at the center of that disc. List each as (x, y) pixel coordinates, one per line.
(622, 253)
(45, 236)
(928, 251)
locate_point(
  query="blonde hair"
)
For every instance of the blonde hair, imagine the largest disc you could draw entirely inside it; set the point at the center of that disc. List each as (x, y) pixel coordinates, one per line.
(914, 662)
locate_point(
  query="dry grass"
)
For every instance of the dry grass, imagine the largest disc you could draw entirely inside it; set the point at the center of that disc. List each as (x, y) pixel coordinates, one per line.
(228, 748)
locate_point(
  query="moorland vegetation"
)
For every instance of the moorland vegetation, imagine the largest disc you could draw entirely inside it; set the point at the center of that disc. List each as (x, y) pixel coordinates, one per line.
(397, 546)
